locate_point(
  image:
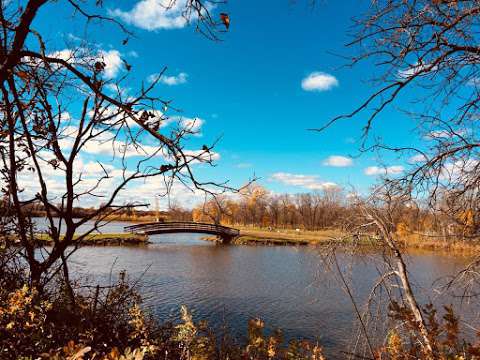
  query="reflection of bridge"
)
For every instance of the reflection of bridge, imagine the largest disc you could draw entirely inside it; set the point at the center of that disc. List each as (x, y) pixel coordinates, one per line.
(153, 228)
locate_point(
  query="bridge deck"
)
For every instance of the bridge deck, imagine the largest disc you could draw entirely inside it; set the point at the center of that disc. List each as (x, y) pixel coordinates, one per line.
(226, 233)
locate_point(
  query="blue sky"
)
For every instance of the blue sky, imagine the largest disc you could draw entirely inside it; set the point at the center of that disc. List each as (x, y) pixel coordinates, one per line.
(247, 88)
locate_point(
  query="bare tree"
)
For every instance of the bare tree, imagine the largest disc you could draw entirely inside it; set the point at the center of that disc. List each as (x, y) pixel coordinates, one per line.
(379, 212)
(431, 46)
(54, 106)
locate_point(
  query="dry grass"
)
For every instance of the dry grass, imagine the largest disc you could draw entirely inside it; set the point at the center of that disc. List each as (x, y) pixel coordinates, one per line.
(438, 244)
(249, 235)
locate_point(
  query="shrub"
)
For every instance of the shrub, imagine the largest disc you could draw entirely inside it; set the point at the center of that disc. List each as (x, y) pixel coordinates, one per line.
(404, 340)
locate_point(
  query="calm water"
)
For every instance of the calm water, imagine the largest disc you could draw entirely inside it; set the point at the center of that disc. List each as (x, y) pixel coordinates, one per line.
(289, 288)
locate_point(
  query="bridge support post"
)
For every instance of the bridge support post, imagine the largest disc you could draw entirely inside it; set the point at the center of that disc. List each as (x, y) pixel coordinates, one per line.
(226, 239)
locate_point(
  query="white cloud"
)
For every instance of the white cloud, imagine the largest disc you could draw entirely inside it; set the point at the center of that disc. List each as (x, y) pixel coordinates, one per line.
(112, 59)
(146, 190)
(319, 81)
(181, 78)
(105, 143)
(457, 170)
(444, 134)
(310, 182)
(155, 14)
(96, 169)
(65, 54)
(322, 186)
(197, 156)
(88, 173)
(419, 158)
(137, 191)
(390, 170)
(113, 62)
(192, 126)
(338, 161)
(112, 115)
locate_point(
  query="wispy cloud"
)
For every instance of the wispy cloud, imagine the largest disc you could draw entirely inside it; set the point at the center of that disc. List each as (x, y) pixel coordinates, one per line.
(319, 81)
(181, 78)
(310, 182)
(338, 161)
(390, 170)
(244, 165)
(133, 54)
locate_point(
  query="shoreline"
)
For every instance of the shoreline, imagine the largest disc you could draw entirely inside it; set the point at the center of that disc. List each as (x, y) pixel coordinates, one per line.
(103, 239)
(286, 237)
(262, 237)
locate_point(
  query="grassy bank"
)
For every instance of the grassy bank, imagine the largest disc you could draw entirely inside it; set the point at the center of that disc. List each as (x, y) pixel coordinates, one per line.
(260, 236)
(104, 239)
(288, 237)
(252, 236)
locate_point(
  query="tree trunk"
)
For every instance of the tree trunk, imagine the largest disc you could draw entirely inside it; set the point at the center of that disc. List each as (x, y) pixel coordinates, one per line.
(412, 303)
(403, 275)
(68, 285)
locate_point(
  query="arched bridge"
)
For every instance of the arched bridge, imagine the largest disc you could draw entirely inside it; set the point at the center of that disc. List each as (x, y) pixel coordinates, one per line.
(153, 228)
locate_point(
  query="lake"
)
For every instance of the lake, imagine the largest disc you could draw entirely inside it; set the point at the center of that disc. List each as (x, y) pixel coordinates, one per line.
(290, 288)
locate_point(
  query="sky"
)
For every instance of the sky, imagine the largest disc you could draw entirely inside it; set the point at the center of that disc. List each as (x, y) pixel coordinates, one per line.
(276, 73)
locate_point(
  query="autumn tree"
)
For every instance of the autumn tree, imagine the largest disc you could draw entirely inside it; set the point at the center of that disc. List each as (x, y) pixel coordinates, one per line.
(255, 206)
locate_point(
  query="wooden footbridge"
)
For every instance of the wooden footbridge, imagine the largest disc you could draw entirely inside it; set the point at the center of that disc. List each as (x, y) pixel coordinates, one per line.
(226, 234)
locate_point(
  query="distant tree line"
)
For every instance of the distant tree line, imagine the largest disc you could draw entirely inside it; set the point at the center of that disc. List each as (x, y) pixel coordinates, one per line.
(255, 206)
(450, 217)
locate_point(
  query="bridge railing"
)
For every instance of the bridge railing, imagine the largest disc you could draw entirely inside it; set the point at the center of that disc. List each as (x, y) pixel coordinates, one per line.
(182, 225)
